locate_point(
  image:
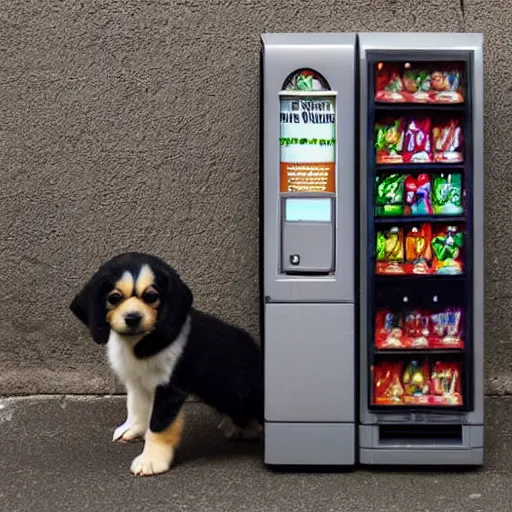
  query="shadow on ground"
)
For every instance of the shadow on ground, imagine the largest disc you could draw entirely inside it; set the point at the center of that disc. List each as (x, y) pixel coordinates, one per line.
(57, 456)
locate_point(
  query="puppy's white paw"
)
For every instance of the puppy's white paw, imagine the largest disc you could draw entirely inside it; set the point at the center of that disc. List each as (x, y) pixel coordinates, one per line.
(128, 432)
(147, 465)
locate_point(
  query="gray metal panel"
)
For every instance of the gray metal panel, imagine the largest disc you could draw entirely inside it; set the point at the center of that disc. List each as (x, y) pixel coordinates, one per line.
(312, 242)
(477, 415)
(309, 444)
(472, 437)
(419, 41)
(332, 55)
(309, 362)
(449, 43)
(473, 457)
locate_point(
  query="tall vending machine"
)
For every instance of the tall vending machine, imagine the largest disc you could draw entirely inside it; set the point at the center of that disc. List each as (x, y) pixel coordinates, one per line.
(421, 252)
(308, 283)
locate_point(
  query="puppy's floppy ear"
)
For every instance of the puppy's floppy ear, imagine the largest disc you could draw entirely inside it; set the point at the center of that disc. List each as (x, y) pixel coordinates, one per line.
(89, 307)
(177, 300)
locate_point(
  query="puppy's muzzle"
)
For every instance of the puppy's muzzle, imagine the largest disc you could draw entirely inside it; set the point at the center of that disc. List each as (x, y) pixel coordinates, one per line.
(132, 320)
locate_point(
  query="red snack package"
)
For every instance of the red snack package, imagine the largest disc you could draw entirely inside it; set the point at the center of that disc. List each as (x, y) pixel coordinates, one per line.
(416, 383)
(388, 330)
(448, 142)
(418, 199)
(388, 84)
(446, 329)
(418, 250)
(416, 329)
(387, 386)
(446, 383)
(418, 147)
(389, 140)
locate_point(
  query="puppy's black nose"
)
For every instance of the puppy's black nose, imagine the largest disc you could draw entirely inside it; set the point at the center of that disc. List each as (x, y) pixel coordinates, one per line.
(132, 319)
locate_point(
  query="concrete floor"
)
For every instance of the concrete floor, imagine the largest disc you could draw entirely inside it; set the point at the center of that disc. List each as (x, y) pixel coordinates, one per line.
(56, 455)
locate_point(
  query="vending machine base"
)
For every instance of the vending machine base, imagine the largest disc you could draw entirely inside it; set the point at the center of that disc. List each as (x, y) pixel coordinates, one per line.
(305, 444)
(457, 445)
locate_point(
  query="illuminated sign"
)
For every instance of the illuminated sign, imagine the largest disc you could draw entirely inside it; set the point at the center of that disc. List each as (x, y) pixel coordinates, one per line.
(308, 141)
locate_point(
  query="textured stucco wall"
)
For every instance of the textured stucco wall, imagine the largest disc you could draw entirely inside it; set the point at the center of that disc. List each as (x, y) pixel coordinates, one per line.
(134, 125)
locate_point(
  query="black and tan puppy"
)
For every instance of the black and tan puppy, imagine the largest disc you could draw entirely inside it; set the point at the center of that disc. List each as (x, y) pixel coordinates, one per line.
(163, 350)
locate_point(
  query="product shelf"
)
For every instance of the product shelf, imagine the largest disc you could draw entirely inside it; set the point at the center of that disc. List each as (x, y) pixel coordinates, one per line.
(431, 108)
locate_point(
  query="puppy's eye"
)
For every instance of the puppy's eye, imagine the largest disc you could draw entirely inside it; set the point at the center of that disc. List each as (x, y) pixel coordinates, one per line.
(150, 296)
(114, 298)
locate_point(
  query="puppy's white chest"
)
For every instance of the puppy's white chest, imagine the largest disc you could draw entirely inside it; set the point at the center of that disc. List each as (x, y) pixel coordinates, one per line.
(150, 372)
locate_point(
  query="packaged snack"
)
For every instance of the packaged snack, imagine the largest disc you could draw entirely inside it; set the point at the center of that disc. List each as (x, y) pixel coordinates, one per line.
(446, 329)
(416, 332)
(418, 250)
(387, 386)
(447, 137)
(447, 194)
(418, 148)
(389, 195)
(447, 245)
(417, 195)
(388, 330)
(416, 383)
(446, 86)
(390, 251)
(416, 85)
(388, 84)
(389, 140)
(446, 384)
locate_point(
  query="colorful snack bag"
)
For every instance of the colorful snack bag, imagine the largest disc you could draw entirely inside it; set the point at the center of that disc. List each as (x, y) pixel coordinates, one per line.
(446, 86)
(447, 245)
(388, 84)
(388, 330)
(418, 148)
(389, 195)
(447, 137)
(390, 251)
(387, 386)
(416, 84)
(416, 329)
(416, 383)
(447, 194)
(417, 195)
(418, 250)
(389, 140)
(446, 383)
(446, 329)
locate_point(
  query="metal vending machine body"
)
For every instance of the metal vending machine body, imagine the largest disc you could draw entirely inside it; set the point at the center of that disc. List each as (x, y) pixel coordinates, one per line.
(308, 135)
(422, 268)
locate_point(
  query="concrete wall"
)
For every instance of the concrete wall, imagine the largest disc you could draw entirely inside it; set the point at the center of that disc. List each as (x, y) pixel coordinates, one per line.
(131, 124)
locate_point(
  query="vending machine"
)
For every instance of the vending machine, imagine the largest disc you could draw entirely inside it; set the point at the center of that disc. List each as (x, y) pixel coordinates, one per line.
(308, 247)
(421, 327)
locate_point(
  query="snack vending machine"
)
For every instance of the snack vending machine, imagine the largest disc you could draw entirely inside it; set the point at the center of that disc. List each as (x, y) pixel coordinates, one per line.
(308, 175)
(421, 251)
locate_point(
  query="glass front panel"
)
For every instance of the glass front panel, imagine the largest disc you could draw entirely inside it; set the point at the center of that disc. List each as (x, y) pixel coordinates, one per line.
(418, 188)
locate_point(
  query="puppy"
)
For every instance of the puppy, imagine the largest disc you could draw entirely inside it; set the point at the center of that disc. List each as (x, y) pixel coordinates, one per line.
(163, 350)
